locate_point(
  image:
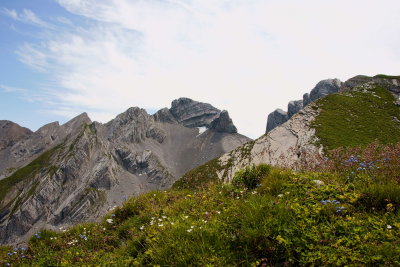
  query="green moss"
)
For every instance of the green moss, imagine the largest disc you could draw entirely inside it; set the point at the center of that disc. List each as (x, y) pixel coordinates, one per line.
(357, 118)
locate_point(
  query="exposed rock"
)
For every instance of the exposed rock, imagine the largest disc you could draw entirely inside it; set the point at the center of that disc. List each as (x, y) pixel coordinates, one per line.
(223, 123)
(294, 107)
(191, 113)
(288, 145)
(164, 115)
(306, 99)
(390, 83)
(324, 88)
(276, 118)
(11, 133)
(46, 137)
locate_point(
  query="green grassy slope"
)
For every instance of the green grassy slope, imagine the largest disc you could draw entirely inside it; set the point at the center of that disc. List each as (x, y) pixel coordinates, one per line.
(284, 218)
(357, 118)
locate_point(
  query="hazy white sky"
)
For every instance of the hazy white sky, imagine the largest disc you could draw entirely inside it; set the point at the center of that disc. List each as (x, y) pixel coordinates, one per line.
(246, 56)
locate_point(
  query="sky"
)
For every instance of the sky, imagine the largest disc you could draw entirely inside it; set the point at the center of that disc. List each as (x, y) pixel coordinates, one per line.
(59, 58)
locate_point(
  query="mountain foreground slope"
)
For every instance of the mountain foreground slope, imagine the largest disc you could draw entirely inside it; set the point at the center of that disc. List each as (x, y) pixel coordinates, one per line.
(64, 174)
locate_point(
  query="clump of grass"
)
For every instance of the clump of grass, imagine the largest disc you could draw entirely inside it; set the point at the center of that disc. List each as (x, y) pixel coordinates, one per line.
(199, 176)
(357, 118)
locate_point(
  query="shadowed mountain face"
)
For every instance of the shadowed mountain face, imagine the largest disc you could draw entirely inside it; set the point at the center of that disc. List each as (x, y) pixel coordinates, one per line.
(65, 174)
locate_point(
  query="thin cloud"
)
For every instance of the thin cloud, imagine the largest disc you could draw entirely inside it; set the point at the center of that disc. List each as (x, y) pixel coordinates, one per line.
(27, 16)
(10, 89)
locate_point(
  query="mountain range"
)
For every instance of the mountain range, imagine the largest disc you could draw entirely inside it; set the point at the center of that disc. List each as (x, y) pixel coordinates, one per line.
(60, 175)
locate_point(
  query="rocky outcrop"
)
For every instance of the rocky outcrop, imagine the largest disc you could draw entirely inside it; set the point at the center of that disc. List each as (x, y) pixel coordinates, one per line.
(223, 123)
(276, 118)
(323, 88)
(288, 145)
(191, 113)
(294, 107)
(82, 169)
(390, 83)
(11, 133)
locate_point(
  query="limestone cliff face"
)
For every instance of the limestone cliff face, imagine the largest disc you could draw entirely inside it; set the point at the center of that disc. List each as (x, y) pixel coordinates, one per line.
(286, 145)
(78, 171)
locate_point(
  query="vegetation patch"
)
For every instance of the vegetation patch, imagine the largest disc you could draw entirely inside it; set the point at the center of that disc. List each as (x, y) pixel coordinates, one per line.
(345, 214)
(200, 176)
(356, 118)
(386, 76)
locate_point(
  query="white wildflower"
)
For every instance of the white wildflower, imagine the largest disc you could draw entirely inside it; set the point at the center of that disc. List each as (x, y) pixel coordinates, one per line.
(109, 220)
(389, 226)
(141, 227)
(160, 225)
(189, 230)
(280, 195)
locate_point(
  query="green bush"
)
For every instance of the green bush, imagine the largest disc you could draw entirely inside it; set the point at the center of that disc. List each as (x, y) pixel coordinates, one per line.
(250, 177)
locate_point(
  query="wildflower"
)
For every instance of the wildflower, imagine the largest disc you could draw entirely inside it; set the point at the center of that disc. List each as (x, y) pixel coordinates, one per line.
(254, 192)
(280, 195)
(7, 264)
(104, 229)
(237, 197)
(109, 221)
(141, 227)
(339, 209)
(258, 185)
(160, 225)
(172, 223)
(9, 254)
(189, 230)
(218, 212)
(164, 217)
(389, 226)
(15, 249)
(185, 217)
(191, 227)
(112, 215)
(206, 213)
(160, 220)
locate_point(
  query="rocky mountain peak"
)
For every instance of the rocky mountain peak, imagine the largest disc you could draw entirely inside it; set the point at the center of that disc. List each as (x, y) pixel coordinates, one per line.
(78, 121)
(191, 113)
(223, 123)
